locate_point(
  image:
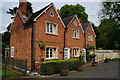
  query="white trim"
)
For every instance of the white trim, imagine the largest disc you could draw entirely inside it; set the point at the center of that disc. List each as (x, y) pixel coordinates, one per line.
(12, 52)
(46, 10)
(92, 29)
(49, 28)
(78, 52)
(54, 56)
(78, 22)
(52, 13)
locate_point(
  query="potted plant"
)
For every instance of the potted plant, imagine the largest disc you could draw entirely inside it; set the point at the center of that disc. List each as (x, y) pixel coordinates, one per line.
(80, 67)
(64, 71)
(106, 60)
(92, 56)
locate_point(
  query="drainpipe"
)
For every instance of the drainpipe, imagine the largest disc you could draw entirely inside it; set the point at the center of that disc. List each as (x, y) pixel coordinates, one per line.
(33, 41)
(64, 41)
(85, 41)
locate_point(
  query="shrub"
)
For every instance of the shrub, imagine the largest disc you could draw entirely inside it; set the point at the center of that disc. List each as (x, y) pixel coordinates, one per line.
(100, 49)
(54, 66)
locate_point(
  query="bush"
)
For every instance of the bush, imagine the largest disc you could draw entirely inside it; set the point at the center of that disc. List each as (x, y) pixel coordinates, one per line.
(114, 59)
(100, 49)
(54, 66)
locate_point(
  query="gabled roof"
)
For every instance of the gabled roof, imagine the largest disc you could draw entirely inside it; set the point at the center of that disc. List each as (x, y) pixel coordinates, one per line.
(37, 14)
(34, 15)
(67, 20)
(85, 25)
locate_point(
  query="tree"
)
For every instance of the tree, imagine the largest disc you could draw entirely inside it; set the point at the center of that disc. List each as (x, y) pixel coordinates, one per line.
(108, 34)
(12, 12)
(69, 10)
(109, 29)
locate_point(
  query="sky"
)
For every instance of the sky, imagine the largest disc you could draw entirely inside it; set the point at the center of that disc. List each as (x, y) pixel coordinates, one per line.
(91, 7)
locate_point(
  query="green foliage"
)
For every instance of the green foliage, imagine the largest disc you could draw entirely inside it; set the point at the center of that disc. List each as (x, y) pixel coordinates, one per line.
(92, 55)
(8, 73)
(100, 49)
(90, 47)
(108, 34)
(69, 10)
(41, 44)
(54, 66)
(108, 31)
(114, 59)
(12, 11)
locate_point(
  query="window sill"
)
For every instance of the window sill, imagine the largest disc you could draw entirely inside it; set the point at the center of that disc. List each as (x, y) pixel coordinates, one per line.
(51, 34)
(75, 56)
(50, 58)
(90, 41)
(75, 38)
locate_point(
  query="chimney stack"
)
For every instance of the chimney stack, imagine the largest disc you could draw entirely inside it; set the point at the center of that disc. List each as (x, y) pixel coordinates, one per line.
(25, 8)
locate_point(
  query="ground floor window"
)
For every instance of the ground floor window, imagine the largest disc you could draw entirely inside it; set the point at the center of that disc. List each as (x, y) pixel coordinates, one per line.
(76, 52)
(51, 53)
(12, 51)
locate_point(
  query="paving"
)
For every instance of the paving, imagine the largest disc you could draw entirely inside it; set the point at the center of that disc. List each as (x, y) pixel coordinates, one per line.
(103, 70)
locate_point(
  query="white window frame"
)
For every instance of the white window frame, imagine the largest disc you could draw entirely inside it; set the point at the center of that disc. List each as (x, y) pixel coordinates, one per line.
(90, 37)
(76, 50)
(12, 51)
(52, 13)
(75, 34)
(54, 54)
(54, 27)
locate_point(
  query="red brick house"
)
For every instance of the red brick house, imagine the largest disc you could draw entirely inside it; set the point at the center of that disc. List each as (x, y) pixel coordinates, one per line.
(74, 36)
(63, 38)
(89, 34)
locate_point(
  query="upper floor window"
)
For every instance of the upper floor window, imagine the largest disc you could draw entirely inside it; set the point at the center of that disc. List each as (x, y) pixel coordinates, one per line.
(51, 13)
(90, 37)
(76, 52)
(51, 28)
(75, 34)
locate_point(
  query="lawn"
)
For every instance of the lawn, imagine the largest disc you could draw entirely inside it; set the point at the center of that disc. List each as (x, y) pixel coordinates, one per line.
(7, 73)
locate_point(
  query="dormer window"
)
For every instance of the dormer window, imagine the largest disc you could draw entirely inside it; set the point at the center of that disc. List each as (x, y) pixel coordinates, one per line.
(51, 13)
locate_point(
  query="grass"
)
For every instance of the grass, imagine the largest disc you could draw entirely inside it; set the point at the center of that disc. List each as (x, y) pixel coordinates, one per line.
(7, 73)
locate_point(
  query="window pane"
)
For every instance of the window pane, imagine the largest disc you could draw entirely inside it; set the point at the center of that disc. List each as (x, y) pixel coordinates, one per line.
(55, 55)
(47, 52)
(47, 27)
(50, 52)
(51, 28)
(54, 29)
(73, 33)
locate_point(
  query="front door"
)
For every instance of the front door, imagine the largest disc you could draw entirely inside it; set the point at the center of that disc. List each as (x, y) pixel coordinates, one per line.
(66, 53)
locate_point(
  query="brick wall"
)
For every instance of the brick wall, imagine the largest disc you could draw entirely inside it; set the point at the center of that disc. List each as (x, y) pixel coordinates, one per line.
(72, 42)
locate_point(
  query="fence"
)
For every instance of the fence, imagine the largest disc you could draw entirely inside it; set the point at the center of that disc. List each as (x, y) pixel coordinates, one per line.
(16, 64)
(102, 54)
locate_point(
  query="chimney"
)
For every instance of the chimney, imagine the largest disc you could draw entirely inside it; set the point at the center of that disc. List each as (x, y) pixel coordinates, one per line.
(25, 8)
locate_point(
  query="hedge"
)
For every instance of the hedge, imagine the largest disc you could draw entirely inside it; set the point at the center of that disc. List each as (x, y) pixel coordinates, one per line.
(114, 59)
(54, 66)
